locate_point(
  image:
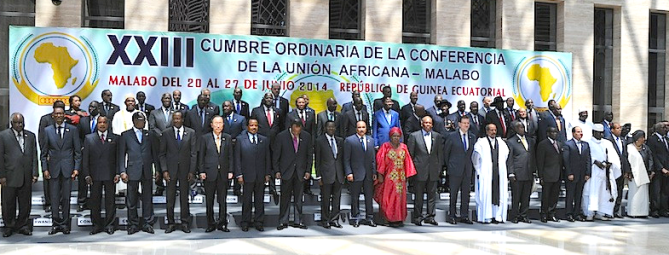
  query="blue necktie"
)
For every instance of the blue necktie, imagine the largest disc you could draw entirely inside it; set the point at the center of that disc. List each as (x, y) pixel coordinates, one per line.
(178, 137)
(362, 142)
(139, 135)
(239, 110)
(334, 147)
(93, 125)
(464, 141)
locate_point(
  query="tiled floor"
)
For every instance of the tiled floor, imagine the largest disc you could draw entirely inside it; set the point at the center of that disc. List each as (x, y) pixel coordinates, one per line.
(626, 236)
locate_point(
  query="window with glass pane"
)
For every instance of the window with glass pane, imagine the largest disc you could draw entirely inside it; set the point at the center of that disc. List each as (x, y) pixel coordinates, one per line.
(416, 21)
(657, 50)
(545, 25)
(345, 20)
(483, 23)
(269, 17)
(103, 13)
(603, 63)
(189, 16)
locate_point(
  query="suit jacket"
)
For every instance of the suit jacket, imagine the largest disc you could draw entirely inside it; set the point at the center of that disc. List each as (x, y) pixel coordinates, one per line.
(255, 158)
(84, 127)
(381, 127)
(478, 130)
(244, 109)
(157, 122)
(18, 166)
(457, 160)
(44, 122)
(148, 108)
(624, 162)
(348, 124)
(182, 107)
(406, 112)
(61, 156)
(432, 111)
(412, 124)
(549, 161)
(513, 114)
(531, 129)
(100, 159)
(322, 118)
(428, 165)
(521, 161)
(263, 124)
(289, 162)
(113, 109)
(328, 166)
(178, 159)
(547, 121)
(140, 156)
(607, 129)
(349, 107)
(309, 123)
(211, 107)
(284, 108)
(378, 105)
(493, 117)
(194, 121)
(235, 126)
(578, 164)
(361, 163)
(660, 153)
(212, 162)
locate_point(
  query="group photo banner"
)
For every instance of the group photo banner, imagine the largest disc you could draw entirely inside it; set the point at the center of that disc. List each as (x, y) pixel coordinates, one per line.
(47, 64)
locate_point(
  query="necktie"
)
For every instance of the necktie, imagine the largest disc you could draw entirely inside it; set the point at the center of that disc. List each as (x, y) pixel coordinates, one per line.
(167, 115)
(139, 135)
(464, 141)
(334, 147)
(476, 119)
(618, 144)
(501, 121)
(218, 143)
(556, 146)
(512, 115)
(102, 138)
(522, 139)
(253, 139)
(362, 143)
(276, 103)
(331, 117)
(107, 107)
(295, 143)
(664, 140)
(93, 124)
(529, 113)
(559, 123)
(202, 116)
(141, 107)
(239, 109)
(179, 136)
(302, 117)
(229, 119)
(359, 116)
(60, 132)
(269, 117)
(19, 138)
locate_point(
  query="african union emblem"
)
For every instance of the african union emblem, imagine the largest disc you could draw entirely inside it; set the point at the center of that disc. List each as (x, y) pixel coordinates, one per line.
(54, 66)
(542, 78)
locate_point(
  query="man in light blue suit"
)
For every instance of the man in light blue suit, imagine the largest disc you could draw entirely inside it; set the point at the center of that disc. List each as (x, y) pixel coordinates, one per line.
(384, 120)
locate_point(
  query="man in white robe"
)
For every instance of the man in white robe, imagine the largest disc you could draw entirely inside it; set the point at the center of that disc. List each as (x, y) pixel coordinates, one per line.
(489, 159)
(584, 123)
(598, 197)
(122, 120)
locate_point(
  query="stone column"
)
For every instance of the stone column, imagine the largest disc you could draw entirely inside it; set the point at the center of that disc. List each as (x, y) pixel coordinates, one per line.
(67, 14)
(451, 26)
(383, 20)
(147, 15)
(230, 17)
(309, 19)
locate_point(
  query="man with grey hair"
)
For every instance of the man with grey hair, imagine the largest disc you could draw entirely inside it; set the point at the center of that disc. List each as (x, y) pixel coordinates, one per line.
(211, 106)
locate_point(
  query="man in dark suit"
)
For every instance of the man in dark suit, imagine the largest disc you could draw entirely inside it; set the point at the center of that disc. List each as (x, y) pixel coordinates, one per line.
(99, 169)
(658, 185)
(443, 124)
(18, 171)
(240, 106)
(45, 121)
(549, 169)
(308, 118)
(360, 169)
(108, 108)
(435, 110)
(142, 105)
(199, 117)
(512, 113)
(215, 168)
(61, 161)
(351, 117)
(178, 159)
(211, 106)
(159, 121)
(553, 118)
(252, 152)
(413, 123)
(476, 120)
(618, 140)
(177, 105)
(330, 113)
(532, 113)
(383, 121)
(530, 128)
(408, 110)
(269, 118)
(349, 105)
(458, 148)
(606, 122)
(136, 158)
(462, 106)
(234, 123)
(387, 93)
(87, 125)
(577, 167)
(499, 118)
(329, 151)
(521, 167)
(280, 104)
(427, 151)
(292, 155)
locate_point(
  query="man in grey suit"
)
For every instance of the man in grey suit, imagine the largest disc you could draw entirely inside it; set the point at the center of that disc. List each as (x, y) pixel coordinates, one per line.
(330, 113)
(18, 171)
(351, 118)
(521, 168)
(135, 146)
(329, 150)
(178, 159)
(427, 151)
(159, 120)
(459, 146)
(215, 168)
(360, 169)
(61, 159)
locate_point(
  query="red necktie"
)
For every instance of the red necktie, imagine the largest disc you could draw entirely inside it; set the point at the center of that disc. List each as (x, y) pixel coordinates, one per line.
(102, 138)
(501, 120)
(269, 117)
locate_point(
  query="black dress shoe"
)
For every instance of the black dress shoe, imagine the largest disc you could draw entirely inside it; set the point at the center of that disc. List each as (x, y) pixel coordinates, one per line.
(95, 231)
(466, 221)
(514, 221)
(210, 229)
(223, 228)
(555, 219)
(355, 224)
(245, 228)
(110, 230)
(66, 230)
(25, 231)
(260, 228)
(326, 225)
(494, 221)
(282, 226)
(335, 224)
(618, 215)
(8, 233)
(452, 221)
(544, 220)
(185, 228)
(654, 215)
(526, 220)
(132, 230)
(148, 229)
(431, 222)
(170, 228)
(579, 218)
(371, 223)
(300, 226)
(570, 218)
(417, 222)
